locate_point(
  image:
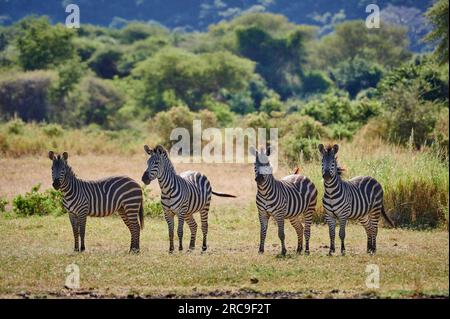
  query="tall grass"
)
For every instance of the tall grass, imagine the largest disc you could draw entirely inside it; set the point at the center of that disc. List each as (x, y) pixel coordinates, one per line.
(19, 139)
(415, 183)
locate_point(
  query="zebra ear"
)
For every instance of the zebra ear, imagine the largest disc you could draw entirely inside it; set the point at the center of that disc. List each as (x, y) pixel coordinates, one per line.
(335, 148)
(268, 150)
(160, 149)
(321, 148)
(253, 151)
(51, 155)
(65, 155)
(148, 150)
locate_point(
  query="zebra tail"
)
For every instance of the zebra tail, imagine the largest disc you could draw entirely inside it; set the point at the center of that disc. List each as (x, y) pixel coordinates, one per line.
(141, 214)
(223, 195)
(388, 219)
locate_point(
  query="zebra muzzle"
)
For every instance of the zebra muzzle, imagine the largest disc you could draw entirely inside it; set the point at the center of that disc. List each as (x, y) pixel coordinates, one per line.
(146, 178)
(56, 184)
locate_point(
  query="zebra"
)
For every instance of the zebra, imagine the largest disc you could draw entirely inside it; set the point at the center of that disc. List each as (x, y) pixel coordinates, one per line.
(98, 199)
(360, 198)
(181, 195)
(283, 199)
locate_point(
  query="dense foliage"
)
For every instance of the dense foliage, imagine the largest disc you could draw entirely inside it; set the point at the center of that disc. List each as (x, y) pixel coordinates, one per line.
(255, 69)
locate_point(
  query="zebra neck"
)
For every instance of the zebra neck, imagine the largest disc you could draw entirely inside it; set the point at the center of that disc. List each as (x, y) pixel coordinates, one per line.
(70, 181)
(167, 178)
(267, 186)
(332, 185)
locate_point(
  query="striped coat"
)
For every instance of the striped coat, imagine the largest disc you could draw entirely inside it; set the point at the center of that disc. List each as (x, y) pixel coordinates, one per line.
(360, 198)
(287, 198)
(181, 195)
(98, 199)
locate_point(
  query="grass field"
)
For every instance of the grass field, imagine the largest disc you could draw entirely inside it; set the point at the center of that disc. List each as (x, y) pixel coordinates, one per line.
(36, 250)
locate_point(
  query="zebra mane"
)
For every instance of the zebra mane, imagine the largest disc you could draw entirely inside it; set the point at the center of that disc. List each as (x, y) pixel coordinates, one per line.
(163, 152)
(340, 169)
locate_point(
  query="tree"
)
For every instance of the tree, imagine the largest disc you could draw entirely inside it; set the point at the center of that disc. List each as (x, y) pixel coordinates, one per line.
(42, 45)
(354, 75)
(387, 46)
(279, 60)
(438, 17)
(174, 76)
(105, 62)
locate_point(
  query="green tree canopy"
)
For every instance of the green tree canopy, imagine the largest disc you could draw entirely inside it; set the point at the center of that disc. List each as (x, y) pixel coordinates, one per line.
(42, 45)
(438, 17)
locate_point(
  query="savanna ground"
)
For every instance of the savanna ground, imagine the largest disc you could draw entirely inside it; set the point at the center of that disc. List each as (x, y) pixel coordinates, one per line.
(36, 250)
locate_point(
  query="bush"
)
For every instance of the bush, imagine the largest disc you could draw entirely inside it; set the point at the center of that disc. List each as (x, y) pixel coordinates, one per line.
(152, 205)
(105, 62)
(409, 117)
(417, 203)
(164, 122)
(26, 94)
(3, 203)
(52, 130)
(300, 137)
(35, 203)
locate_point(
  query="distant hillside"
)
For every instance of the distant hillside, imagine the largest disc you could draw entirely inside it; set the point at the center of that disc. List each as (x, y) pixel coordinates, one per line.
(198, 14)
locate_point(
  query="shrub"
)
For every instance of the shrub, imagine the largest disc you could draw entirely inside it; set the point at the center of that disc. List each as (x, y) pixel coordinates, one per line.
(26, 94)
(152, 205)
(52, 130)
(408, 116)
(417, 203)
(105, 62)
(38, 203)
(3, 203)
(164, 122)
(300, 137)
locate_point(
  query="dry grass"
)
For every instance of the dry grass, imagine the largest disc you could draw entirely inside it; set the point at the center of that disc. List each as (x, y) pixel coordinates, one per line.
(36, 250)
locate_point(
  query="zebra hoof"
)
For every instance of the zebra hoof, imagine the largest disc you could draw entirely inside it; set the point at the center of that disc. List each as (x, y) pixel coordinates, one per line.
(261, 252)
(82, 249)
(299, 251)
(343, 253)
(306, 252)
(134, 251)
(204, 248)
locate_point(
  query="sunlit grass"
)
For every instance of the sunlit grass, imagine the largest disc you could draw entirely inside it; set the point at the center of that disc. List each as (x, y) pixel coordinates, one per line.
(35, 253)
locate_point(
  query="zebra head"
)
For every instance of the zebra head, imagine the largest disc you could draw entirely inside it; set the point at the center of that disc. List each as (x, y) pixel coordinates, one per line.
(153, 162)
(59, 168)
(262, 164)
(329, 162)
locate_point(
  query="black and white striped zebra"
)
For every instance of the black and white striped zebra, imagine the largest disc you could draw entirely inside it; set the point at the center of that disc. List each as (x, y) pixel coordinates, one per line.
(98, 199)
(287, 198)
(360, 198)
(181, 195)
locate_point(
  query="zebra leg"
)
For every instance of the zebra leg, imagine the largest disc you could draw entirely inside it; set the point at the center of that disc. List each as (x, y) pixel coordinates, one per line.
(82, 219)
(297, 224)
(169, 216)
(374, 230)
(132, 215)
(365, 221)
(342, 223)
(264, 221)
(75, 229)
(280, 222)
(180, 230)
(204, 220)
(308, 222)
(331, 221)
(124, 216)
(193, 227)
